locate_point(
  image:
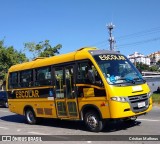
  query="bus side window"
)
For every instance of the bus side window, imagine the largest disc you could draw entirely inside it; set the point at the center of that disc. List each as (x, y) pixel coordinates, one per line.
(69, 82)
(26, 78)
(87, 73)
(13, 80)
(81, 72)
(43, 76)
(59, 83)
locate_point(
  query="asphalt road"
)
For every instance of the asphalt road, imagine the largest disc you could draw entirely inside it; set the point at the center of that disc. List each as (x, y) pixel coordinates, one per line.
(13, 124)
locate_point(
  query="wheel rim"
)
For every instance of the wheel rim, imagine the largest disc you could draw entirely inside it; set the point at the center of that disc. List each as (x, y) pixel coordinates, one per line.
(30, 116)
(92, 121)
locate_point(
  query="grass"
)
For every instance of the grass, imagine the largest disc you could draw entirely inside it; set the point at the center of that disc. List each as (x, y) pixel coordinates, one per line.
(156, 98)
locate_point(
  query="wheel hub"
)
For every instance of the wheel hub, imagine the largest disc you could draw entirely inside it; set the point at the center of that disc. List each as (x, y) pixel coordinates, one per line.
(92, 121)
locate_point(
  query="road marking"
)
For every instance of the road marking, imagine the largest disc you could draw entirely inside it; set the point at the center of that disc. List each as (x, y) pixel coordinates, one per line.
(4, 128)
(148, 120)
(37, 133)
(18, 130)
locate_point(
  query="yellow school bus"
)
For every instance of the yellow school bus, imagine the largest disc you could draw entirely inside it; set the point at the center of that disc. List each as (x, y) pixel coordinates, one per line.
(89, 84)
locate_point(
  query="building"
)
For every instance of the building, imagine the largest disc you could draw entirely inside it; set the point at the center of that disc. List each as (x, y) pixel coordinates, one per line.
(140, 58)
(154, 57)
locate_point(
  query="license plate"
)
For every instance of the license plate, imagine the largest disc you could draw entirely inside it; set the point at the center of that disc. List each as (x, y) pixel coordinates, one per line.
(141, 104)
(136, 88)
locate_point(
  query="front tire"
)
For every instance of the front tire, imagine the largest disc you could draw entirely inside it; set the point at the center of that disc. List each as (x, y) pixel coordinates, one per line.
(30, 116)
(93, 121)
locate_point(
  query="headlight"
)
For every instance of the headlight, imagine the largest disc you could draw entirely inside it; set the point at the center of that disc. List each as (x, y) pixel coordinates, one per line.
(119, 99)
(149, 94)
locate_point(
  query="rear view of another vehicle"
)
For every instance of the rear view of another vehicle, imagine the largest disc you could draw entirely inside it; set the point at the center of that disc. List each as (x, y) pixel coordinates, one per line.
(3, 99)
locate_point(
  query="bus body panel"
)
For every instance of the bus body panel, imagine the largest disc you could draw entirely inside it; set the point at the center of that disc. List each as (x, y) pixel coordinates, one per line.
(129, 90)
(100, 103)
(123, 110)
(42, 107)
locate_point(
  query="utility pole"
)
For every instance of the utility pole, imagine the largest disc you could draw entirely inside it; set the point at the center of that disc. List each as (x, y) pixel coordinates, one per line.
(111, 38)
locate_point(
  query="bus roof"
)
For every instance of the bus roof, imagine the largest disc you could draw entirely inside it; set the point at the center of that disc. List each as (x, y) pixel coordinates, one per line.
(82, 53)
(39, 62)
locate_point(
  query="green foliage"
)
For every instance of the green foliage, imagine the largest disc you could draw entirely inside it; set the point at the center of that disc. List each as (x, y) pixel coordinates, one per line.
(156, 98)
(154, 68)
(8, 57)
(42, 49)
(142, 66)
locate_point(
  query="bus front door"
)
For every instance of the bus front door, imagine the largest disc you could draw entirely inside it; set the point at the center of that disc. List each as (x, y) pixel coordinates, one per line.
(66, 101)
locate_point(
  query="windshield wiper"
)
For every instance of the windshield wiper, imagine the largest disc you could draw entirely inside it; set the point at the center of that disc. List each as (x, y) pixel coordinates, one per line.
(127, 79)
(139, 78)
(130, 80)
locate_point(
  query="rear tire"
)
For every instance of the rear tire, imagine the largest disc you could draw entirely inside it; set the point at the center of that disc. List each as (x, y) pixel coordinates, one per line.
(30, 116)
(93, 121)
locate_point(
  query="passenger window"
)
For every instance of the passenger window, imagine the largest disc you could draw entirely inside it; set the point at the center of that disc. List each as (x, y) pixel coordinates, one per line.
(69, 82)
(26, 78)
(13, 80)
(81, 72)
(43, 76)
(87, 73)
(59, 82)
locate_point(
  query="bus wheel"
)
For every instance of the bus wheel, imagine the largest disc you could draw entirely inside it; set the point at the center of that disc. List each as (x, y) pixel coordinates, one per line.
(30, 116)
(93, 121)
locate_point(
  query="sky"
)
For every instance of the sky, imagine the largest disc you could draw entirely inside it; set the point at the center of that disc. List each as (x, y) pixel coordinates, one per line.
(81, 23)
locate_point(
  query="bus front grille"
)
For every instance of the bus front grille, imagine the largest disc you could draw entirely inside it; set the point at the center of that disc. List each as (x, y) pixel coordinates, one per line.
(139, 103)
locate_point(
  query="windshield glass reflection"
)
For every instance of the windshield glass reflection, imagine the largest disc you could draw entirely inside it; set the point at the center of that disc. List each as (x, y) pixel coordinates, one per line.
(118, 69)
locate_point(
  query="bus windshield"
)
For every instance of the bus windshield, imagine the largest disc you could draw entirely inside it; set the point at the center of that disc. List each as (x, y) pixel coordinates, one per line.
(117, 69)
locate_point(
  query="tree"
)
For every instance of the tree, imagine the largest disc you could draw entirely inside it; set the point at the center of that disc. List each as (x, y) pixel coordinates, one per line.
(141, 67)
(154, 68)
(42, 49)
(8, 57)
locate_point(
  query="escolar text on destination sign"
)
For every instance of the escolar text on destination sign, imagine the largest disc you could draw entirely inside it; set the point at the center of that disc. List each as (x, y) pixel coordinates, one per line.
(112, 57)
(27, 94)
